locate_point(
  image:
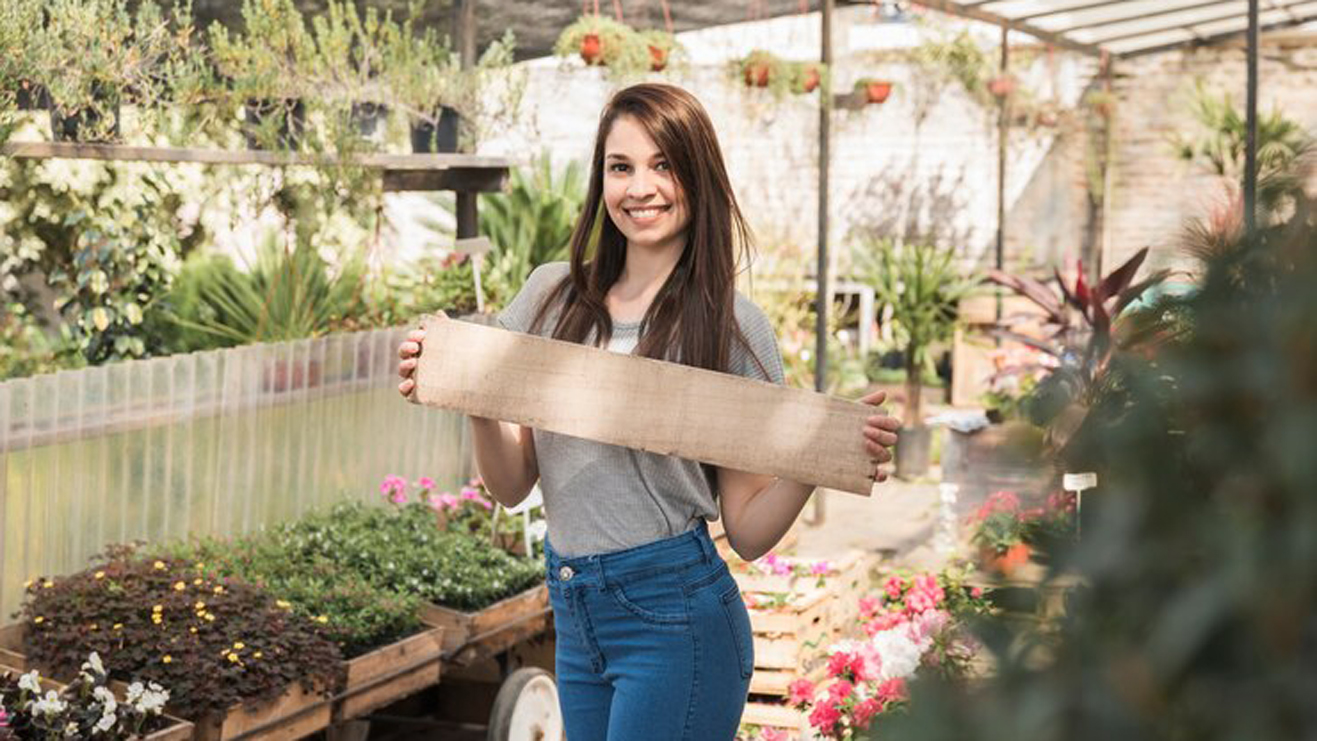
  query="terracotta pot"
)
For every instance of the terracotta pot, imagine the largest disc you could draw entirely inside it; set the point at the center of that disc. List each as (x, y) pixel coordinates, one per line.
(591, 48)
(877, 92)
(756, 75)
(1001, 86)
(1005, 563)
(658, 58)
(811, 81)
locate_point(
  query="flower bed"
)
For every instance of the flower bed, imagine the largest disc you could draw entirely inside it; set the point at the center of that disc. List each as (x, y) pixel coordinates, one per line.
(913, 624)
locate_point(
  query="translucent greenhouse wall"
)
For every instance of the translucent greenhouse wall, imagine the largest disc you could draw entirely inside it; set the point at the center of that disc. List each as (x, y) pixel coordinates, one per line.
(219, 442)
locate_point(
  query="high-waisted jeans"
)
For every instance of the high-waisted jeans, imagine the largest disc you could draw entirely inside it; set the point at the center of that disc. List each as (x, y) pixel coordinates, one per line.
(654, 642)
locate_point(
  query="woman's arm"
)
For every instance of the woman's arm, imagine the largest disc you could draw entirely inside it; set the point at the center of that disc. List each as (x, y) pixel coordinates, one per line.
(505, 452)
(758, 510)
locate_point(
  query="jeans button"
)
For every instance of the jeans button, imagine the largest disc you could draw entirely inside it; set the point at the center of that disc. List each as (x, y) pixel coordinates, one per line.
(566, 573)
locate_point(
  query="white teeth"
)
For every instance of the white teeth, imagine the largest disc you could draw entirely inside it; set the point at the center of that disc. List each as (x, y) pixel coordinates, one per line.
(644, 213)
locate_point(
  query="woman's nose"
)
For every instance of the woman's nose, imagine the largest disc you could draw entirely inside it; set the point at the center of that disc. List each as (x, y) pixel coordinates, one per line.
(641, 185)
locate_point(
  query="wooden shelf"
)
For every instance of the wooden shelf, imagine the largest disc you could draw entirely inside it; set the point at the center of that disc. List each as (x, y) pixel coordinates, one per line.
(401, 172)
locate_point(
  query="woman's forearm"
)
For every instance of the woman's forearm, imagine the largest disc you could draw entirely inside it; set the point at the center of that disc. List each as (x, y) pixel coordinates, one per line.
(766, 517)
(505, 457)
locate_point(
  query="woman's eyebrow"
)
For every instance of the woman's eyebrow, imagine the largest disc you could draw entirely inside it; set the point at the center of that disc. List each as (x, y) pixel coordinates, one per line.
(617, 156)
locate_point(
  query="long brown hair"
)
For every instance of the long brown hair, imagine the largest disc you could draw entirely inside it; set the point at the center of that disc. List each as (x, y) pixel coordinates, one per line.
(692, 318)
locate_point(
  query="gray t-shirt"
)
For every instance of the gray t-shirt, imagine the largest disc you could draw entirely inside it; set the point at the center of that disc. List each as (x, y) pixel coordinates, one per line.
(600, 498)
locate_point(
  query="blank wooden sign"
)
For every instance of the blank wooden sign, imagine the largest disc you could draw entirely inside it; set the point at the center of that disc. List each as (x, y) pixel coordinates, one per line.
(660, 407)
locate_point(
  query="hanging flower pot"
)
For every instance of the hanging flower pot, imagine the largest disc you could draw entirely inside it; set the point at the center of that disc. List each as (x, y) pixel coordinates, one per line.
(759, 68)
(661, 46)
(874, 91)
(592, 49)
(810, 78)
(1001, 86)
(658, 58)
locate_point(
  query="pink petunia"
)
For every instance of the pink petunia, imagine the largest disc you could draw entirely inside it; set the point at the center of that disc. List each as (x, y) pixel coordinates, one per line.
(825, 716)
(892, 690)
(392, 483)
(820, 568)
(398, 497)
(840, 690)
(433, 502)
(448, 501)
(976, 592)
(774, 734)
(869, 607)
(894, 586)
(425, 482)
(838, 664)
(800, 692)
(865, 710)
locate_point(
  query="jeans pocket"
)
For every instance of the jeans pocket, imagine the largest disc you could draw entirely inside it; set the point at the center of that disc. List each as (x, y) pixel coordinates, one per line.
(657, 600)
(738, 620)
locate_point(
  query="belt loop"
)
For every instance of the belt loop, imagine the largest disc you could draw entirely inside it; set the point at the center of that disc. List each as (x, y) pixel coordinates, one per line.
(706, 543)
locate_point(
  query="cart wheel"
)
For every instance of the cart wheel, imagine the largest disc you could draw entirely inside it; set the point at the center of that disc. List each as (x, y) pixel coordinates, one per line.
(526, 708)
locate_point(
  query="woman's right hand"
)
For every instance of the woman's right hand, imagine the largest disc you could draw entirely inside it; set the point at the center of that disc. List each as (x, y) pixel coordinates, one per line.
(409, 353)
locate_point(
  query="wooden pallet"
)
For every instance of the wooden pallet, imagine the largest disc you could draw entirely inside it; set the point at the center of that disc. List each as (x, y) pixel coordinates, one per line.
(472, 636)
(777, 715)
(368, 684)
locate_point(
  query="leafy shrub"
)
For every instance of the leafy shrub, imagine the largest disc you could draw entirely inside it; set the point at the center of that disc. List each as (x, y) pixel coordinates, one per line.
(358, 616)
(402, 551)
(213, 641)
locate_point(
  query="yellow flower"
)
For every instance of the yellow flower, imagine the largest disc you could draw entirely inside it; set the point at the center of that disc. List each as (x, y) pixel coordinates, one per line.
(100, 574)
(257, 655)
(233, 657)
(159, 565)
(193, 629)
(49, 585)
(38, 620)
(239, 646)
(199, 605)
(167, 659)
(219, 589)
(179, 586)
(210, 617)
(157, 608)
(94, 626)
(201, 565)
(118, 626)
(197, 581)
(285, 604)
(322, 619)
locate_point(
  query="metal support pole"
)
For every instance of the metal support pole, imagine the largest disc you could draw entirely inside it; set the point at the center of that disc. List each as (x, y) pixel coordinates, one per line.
(464, 25)
(821, 294)
(1251, 143)
(1003, 133)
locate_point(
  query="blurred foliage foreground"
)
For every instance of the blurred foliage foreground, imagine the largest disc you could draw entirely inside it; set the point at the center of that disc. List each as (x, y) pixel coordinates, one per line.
(1198, 618)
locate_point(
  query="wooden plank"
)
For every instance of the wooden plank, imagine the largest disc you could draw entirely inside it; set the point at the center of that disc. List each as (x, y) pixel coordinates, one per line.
(460, 628)
(246, 717)
(651, 405)
(126, 153)
(460, 179)
(778, 716)
(380, 662)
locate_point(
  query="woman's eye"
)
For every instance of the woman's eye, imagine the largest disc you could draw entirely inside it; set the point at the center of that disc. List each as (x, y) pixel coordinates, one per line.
(663, 166)
(617, 167)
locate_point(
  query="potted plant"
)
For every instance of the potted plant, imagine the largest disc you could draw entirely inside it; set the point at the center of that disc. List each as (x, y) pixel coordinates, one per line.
(92, 56)
(421, 73)
(872, 91)
(807, 76)
(33, 706)
(760, 68)
(1001, 86)
(20, 22)
(350, 58)
(920, 286)
(267, 68)
(600, 41)
(661, 46)
(1003, 531)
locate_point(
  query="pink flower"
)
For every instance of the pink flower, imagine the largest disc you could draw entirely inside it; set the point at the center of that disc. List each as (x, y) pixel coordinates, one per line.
(884, 622)
(838, 664)
(870, 665)
(892, 690)
(820, 568)
(864, 711)
(825, 716)
(398, 497)
(774, 734)
(392, 483)
(433, 502)
(976, 592)
(426, 483)
(869, 607)
(448, 501)
(800, 692)
(840, 690)
(894, 587)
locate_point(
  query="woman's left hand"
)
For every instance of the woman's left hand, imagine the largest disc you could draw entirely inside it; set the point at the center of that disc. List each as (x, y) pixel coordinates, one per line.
(879, 434)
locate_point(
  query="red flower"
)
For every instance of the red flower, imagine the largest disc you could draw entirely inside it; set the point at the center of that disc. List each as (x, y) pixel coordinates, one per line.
(864, 712)
(839, 663)
(800, 692)
(892, 690)
(840, 690)
(825, 716)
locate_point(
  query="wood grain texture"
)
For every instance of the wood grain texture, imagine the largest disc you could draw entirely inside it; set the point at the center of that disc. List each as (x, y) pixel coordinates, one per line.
(641, 403)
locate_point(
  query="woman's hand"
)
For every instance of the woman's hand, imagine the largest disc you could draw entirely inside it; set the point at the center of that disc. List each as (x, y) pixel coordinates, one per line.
(409, 353)
(879, 435)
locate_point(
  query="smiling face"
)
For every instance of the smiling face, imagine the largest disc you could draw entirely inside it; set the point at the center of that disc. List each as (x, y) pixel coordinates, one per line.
(641, 192)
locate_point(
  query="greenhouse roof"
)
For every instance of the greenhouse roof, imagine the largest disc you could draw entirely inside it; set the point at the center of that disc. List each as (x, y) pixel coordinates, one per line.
(1129, 27)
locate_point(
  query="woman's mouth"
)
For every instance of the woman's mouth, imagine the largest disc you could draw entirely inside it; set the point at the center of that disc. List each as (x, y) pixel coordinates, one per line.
(646, 214)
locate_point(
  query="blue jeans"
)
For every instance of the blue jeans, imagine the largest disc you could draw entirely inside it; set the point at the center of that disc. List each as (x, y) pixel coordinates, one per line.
(654, 642)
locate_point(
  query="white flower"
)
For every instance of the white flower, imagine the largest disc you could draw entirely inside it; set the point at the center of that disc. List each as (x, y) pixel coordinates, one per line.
(107, 699)
(106, 722)
(538, 529)
(49, 705)
(30, 682)
(93, 662)
(152, 701)
(71, 730)
(135, 691)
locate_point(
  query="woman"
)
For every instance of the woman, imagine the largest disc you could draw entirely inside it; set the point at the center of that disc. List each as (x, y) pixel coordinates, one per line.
(653, 640)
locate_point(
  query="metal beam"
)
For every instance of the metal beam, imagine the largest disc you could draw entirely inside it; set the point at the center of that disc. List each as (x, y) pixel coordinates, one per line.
(1071, 9)
(1251, 139)
(1190, 26)
(973, 13)
(1210, 38)
(1144, 16)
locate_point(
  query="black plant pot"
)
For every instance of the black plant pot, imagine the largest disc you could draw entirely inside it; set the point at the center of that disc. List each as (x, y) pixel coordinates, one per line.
(368, 118)
(30, 96)
(74, 127)
(289, 114)
(912, 451)
(428, 138)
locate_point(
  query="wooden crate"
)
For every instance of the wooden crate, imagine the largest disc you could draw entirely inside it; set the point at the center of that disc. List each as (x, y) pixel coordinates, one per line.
(366, 685)
(471, 636)
(294, 714)
(778, 715)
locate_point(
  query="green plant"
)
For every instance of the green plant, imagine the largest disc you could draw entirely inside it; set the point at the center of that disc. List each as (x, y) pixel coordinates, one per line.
(919, 286)
(357, 616)
(663, 48)
(26, 350)
(419, 70)
(20, 21)
(401, 550)
(95, 54)
(292, 292)
(213, 641)
(763, 69)
(85, 708)
(959, 57)
(608, 43)
(269, 68)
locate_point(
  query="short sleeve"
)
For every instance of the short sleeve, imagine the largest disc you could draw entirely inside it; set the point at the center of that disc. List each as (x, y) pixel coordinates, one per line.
(762, 360)
(520, 313)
